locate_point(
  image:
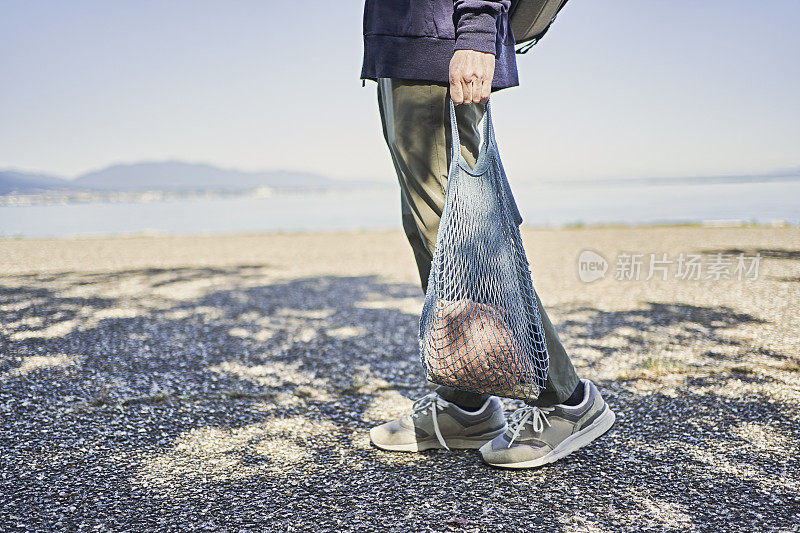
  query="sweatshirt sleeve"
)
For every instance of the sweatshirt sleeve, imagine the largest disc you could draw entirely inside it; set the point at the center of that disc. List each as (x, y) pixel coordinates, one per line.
(475, 22)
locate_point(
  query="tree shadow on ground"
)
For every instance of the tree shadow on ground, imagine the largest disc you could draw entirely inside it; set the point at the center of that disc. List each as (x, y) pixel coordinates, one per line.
(229, 399)
(750, 251)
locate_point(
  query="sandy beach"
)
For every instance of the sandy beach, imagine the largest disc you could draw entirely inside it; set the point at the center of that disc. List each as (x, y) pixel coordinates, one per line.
(227, 383)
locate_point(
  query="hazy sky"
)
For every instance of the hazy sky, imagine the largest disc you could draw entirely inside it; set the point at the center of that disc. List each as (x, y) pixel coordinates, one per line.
(618, 88)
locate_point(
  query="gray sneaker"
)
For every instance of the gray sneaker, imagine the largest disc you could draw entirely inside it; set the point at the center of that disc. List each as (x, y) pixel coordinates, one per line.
(437, 423)
(540, 435)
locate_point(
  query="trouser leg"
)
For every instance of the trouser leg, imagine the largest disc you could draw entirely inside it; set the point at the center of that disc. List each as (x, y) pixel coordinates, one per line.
(561, 376)
(416, 125)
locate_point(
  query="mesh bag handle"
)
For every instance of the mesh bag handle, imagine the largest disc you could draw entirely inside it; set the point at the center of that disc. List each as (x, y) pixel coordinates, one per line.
(480, 329)
(487, 140)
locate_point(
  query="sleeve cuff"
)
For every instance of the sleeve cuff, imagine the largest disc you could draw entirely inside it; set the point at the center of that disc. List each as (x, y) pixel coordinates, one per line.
(480, 42)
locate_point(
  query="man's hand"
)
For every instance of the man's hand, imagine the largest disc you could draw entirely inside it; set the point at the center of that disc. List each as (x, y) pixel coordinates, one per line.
(471, 76)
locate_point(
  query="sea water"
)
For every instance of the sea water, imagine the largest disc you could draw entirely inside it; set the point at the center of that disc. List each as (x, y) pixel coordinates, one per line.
(378, 207)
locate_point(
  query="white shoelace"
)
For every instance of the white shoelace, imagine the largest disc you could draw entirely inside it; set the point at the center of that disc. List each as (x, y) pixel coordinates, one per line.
(435, 403)
(535, 416)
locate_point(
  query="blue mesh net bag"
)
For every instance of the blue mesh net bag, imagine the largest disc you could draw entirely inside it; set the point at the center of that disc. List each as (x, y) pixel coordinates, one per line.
(480, 328)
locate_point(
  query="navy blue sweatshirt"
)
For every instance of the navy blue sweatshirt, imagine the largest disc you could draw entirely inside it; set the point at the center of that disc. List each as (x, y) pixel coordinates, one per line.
(415, 39)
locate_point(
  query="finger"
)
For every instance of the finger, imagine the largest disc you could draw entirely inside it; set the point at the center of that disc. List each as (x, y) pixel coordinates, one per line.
(486, 90)
(489, 64)
(466, 87)
(477, 91)
(456, 93)
(474, 90)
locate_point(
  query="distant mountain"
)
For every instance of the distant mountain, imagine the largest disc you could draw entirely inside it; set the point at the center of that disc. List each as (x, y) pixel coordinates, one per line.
(176, 175)
(13, 182)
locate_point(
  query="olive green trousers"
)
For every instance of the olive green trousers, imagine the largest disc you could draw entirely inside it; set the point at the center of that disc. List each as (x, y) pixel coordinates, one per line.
(416, 125)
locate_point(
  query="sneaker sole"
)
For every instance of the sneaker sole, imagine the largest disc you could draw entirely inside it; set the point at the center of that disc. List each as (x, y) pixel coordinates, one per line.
(568, 445)
(454, 443)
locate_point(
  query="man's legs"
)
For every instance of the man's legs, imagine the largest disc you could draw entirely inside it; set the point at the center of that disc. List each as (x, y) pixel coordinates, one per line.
(416, 125)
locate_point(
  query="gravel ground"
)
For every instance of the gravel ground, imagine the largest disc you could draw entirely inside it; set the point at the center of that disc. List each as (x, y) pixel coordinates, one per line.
(228, 383)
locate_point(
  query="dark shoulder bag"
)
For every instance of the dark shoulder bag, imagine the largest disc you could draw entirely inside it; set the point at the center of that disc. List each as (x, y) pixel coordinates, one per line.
(530, 20)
